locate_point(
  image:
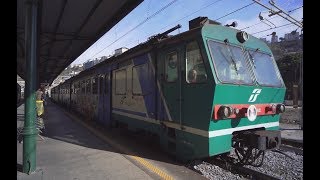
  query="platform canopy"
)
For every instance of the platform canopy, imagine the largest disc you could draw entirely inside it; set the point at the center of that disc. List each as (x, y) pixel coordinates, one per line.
(67, 28)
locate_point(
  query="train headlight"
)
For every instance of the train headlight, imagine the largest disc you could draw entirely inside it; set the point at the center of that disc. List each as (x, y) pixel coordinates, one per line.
(281, 108)
(274, 108)
(225, 111)
(236, 111)
(242, 36)
(252, 113)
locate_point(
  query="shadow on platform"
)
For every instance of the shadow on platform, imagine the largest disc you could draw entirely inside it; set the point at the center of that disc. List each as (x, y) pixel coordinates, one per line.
(60, 127)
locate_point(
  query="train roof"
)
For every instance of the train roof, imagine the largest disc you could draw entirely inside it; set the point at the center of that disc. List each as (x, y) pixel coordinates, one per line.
(139, 49)
(197, 26)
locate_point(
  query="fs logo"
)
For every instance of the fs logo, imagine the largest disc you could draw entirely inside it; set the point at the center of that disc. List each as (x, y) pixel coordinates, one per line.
(254, 95)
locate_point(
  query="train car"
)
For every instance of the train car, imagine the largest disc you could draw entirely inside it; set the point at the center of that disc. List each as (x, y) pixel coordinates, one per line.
(202, 92)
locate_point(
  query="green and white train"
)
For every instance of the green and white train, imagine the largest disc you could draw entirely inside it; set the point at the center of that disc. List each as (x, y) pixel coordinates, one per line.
(202, 92)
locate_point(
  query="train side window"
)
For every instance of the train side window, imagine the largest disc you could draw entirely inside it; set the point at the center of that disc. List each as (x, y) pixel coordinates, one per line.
(195, 70)
(140, 72)
(88, 86)
(101, 80)
(171, 67)
(74, 86)
(107, 84)
(77, 87)
(121, 82)
(95, 85)
(83, 87)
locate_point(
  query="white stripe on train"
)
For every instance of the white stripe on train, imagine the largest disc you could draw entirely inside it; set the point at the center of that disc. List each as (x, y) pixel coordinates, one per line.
(199, 132)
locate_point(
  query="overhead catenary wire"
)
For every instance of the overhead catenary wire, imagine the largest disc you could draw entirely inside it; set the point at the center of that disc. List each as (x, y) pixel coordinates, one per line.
(193, 12)
(295, 9)
(202, 8)
(271, 28)
(292, 20)
(258, 23)
(234, 11)
(206, 6)
(289, 26)
(135, 27)
(269, 19)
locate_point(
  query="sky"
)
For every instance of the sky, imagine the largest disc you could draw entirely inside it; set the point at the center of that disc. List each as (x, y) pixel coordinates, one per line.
(154, 16)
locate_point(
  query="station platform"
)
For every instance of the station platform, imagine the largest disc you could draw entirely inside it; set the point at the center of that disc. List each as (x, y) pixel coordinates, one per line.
(291, 132)
(70, 150)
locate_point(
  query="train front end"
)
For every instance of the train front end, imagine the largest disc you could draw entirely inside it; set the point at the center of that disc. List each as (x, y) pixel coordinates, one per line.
(248, 93)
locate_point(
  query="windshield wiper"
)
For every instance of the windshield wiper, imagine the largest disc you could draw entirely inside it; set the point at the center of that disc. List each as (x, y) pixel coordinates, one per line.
(252, 58)
(231, 55)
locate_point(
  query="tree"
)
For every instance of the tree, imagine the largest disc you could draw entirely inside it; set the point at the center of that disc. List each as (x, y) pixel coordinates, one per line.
(289, 66)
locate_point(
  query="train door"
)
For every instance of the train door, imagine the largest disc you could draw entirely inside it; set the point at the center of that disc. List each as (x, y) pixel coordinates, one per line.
(105, 99)
(170, 81)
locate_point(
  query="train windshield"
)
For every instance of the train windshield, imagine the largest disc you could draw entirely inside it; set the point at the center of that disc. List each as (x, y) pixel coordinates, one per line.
(265, 69)
(230, 63)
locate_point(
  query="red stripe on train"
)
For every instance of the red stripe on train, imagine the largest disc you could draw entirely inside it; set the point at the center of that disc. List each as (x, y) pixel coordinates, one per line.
(262, 109)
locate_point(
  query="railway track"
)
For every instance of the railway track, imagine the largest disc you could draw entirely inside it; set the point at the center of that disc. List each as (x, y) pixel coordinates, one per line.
(241, 170)
(230, 164)
(294, 143)
(292, 146)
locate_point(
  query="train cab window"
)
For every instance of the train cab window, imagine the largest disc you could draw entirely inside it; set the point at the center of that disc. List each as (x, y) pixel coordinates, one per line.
(265, 69)
(171, 67)
(121, 82)
(230, 63)
(95, 85)
(195, 70)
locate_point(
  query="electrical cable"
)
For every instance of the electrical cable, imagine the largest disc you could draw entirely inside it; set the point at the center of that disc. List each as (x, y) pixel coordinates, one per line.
(141, 23)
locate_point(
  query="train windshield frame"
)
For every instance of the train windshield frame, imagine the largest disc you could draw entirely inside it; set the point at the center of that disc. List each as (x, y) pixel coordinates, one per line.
(265, 69)
(230, 63)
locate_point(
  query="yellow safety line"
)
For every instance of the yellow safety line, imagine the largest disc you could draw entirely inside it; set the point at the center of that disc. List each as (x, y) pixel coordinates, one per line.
(152, 167)
(125, 150)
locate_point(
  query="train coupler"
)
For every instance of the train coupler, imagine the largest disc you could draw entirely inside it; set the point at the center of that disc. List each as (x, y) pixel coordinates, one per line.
(259, 139)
